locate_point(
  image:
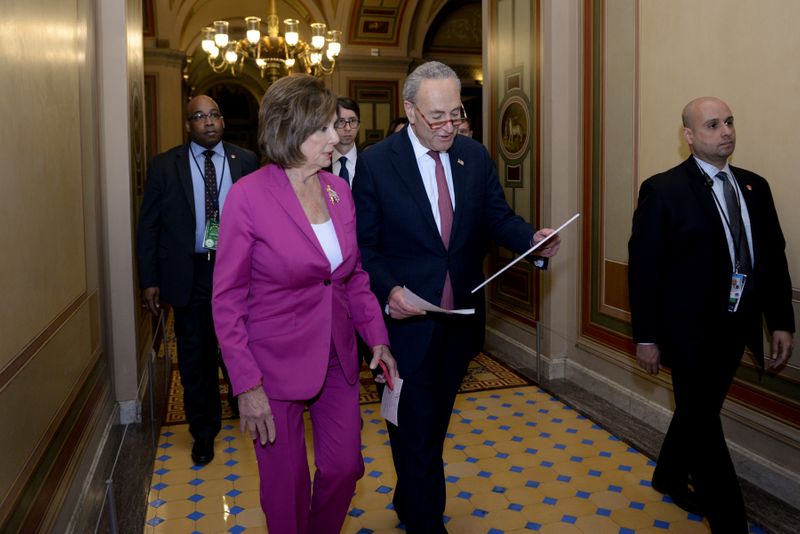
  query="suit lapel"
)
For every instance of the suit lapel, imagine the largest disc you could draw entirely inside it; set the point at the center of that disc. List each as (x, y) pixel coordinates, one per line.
(234, 162)
(750, 200)
(278, 184)
(405, 162)
(182, 162)
(459, 169)
(703, 193)
(335, 208)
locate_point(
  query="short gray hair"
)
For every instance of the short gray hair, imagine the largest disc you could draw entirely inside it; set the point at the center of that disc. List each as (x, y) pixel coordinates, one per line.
(432, 70)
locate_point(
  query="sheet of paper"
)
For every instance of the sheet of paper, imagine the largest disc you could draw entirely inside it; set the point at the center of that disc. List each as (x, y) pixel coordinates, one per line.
(390, 401)
(423, 304)
(534, 247)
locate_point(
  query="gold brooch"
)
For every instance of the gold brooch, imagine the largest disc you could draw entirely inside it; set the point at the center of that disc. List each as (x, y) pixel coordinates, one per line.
(332, 194)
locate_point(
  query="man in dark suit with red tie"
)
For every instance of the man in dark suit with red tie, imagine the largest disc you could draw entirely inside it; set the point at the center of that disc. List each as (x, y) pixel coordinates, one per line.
(428, 201)
(176, 243)
(707, 262)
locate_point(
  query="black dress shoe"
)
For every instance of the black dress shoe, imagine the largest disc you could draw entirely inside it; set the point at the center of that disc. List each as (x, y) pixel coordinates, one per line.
(683, 497)
(203, 451)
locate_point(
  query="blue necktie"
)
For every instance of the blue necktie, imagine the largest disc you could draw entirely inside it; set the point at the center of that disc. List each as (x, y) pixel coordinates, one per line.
(343, 172)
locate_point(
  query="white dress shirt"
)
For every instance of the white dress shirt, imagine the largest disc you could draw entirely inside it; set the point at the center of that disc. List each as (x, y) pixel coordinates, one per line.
(351, 156)
(427, 168)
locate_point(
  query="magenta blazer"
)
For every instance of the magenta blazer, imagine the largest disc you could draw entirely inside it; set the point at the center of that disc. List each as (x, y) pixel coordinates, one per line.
(276, 303)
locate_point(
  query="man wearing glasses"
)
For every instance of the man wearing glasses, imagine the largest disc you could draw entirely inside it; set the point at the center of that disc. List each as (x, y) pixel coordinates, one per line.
(427, 202)
(345, 153)
(176, 243)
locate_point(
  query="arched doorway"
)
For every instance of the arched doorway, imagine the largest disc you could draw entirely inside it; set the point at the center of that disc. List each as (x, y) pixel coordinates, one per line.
(457, 32)
(240, 109)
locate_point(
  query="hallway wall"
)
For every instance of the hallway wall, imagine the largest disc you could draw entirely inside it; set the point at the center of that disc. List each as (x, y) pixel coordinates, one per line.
(53, 369)
(59, 397)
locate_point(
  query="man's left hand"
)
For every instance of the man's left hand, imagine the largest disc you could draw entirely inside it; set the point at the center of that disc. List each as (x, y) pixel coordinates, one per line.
(780, 349)
(550, 248)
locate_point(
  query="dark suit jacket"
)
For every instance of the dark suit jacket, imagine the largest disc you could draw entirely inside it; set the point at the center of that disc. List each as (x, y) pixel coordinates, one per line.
(680, 268)
(401, 246)
(166, 234)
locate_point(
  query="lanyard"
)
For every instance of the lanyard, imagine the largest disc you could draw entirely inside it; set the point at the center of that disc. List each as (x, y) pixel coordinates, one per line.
(221, 175)
(738, 243)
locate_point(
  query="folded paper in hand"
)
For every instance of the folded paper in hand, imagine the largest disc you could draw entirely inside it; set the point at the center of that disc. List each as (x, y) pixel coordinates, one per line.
(391, 400)
(415, 300)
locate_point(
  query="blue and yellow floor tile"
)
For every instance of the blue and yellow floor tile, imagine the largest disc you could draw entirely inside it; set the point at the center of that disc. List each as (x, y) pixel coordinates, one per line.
(517, 461)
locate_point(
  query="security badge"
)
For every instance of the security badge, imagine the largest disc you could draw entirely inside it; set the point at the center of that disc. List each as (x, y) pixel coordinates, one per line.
(738, 280)
(210, 234)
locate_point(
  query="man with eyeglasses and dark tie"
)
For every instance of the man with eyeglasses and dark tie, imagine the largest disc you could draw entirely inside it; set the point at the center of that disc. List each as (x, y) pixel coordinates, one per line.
(707, 269)
(176, 243)
(345, 153)
(427, 202)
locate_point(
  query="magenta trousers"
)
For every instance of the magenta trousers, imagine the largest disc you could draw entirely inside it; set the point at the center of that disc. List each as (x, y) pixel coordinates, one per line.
(287, 498)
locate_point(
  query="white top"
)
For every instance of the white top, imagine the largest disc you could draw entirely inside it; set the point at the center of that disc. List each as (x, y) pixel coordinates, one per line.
(427, 168)
(326, 235)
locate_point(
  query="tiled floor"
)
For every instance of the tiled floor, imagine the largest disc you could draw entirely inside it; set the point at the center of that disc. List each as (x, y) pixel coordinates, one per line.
(518, 461)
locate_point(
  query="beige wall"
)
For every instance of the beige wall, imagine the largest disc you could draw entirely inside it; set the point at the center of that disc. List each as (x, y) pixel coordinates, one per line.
(744, 52)
(50, 326)
(69, 159)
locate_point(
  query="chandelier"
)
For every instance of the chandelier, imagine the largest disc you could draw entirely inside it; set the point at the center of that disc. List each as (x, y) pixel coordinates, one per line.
(274, 55)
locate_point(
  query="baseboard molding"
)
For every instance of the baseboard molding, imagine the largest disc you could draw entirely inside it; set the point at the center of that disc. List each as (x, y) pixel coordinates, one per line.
(92, 492)
(762, 472)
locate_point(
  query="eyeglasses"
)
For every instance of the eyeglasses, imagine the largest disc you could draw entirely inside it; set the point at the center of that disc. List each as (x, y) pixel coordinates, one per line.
(352, 122)
(438, 125)
(200, 116)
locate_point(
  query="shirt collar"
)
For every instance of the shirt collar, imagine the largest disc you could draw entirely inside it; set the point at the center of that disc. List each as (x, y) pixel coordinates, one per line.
(350, 155)
(419, 149)
(710, 169)
(198, 150)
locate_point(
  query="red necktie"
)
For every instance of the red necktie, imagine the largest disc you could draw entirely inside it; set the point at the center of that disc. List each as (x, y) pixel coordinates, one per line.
(446, 219)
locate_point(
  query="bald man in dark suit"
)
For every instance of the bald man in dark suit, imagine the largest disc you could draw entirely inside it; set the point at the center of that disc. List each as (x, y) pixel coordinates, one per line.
(707, 262)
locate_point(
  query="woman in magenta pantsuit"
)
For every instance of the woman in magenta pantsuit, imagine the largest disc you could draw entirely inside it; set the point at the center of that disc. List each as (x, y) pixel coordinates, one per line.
(289, 296)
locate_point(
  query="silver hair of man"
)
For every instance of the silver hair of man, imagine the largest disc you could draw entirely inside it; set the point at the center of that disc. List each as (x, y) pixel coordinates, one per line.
(432, 70)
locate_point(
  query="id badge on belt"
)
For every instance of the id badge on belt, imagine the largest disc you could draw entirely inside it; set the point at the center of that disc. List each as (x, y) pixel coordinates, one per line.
(738, 280)
(210, 234)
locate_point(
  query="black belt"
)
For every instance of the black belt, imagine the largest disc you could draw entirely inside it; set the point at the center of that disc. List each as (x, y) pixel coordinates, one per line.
(205, 256)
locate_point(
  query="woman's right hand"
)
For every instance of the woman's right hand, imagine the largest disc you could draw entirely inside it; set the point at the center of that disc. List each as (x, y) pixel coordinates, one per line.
(255, 415)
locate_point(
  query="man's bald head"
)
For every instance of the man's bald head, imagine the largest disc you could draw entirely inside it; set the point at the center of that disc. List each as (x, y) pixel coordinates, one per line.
(691, 111)
(204, 122)
(708, 130)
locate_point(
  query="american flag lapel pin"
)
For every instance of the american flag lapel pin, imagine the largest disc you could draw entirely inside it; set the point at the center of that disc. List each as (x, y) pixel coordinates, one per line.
(460, 161)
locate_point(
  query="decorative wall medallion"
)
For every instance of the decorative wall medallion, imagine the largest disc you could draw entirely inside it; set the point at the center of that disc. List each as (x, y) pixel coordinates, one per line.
(515, 127)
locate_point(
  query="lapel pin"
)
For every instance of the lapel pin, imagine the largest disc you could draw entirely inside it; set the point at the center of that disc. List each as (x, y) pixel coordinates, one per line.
(233, 156)
(332, 194)
(749, 187)
(460, 161)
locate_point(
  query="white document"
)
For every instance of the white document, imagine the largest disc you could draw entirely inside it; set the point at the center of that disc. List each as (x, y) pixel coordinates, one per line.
(391, 400)
(415, 300)
(534, 247)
